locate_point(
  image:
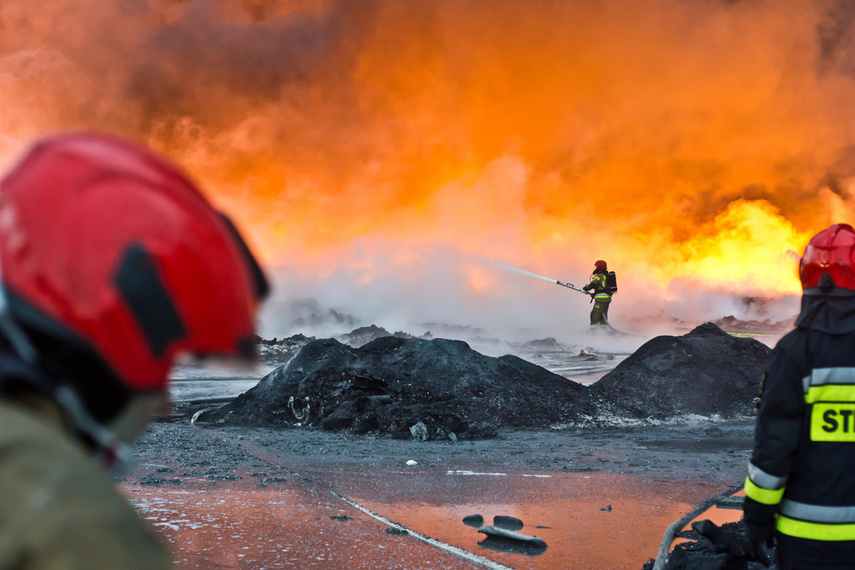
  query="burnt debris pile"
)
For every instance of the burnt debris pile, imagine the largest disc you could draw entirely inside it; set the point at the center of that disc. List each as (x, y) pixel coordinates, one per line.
(280, 351)
(704, 372)
(708, 546)
(428, 389)
(363, 335)
(443, 389)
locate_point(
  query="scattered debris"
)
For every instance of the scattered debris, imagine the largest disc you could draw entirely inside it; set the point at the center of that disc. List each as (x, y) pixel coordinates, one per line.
(507, 523)
(363, 335)
(510, 541)
(150, 480)
(710, 546)
(342, 518)
(665, 555)
(511, 535)
(502, 536)
(277, 352)
(419, 431)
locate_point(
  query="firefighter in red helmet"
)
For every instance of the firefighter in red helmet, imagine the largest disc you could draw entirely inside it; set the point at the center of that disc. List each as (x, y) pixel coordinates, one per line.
(800, 489)
(112, 264)
(601, 296)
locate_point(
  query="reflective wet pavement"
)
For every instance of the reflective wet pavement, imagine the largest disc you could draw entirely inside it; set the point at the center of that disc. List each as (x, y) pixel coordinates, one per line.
(273, 509)
(246, 498)
(588, 520)
(286, 526)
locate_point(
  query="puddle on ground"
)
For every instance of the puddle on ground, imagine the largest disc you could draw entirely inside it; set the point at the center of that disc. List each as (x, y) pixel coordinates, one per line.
(591, 521)
(227, 526)
(587, 521)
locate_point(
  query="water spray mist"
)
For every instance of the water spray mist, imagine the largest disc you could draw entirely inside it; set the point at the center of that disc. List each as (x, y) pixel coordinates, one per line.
(530, 274)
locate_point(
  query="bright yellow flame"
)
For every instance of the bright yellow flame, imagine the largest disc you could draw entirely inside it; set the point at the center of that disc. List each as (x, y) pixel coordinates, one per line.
(749, 247)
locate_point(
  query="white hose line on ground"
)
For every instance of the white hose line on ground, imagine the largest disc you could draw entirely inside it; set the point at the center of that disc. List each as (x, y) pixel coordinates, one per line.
(198, 414)
(459, 552)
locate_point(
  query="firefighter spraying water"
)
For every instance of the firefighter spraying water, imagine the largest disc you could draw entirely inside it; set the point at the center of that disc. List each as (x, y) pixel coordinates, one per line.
(602, 286)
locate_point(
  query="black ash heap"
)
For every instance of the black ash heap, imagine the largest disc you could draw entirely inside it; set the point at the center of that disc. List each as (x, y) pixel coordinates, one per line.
(406, 387)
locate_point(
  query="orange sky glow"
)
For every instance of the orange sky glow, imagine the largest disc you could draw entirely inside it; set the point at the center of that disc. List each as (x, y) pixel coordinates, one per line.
(696, 146)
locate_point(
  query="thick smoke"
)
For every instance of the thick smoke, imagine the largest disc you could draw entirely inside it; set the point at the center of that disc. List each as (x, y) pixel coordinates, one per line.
(371, 149)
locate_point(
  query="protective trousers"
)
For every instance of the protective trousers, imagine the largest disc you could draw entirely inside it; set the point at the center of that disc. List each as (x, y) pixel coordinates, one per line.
(600, 313)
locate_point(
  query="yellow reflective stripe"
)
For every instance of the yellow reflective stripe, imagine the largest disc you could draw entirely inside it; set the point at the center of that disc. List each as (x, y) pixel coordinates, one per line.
(832, 421)
(815, 531)
(830, 393)
(761, 495)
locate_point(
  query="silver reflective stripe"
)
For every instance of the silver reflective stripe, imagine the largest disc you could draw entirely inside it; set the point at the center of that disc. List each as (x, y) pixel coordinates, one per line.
(763, 479)
(817, 513)
(825, 376)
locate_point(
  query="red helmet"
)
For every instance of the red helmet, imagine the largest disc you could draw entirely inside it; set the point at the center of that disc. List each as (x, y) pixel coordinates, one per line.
(106, 247)
(828, 261)
(600, 264)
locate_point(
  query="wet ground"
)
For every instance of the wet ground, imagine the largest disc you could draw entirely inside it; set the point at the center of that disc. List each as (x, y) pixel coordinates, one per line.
(599, 497)
(253, 498)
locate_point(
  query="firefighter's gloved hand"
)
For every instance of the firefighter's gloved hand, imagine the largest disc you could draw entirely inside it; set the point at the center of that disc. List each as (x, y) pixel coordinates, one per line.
(761, 551)
(760, 524)
(759, 520)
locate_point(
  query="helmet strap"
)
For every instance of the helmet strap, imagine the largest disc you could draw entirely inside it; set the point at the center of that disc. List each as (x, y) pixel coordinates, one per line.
(112, 452)
(836, 292)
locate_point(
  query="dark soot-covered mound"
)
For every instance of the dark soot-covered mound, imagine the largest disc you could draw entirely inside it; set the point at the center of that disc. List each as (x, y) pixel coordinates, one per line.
(704, 372)
(391, 384)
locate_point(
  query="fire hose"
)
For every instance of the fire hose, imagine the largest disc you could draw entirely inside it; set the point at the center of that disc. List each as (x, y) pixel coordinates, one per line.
(677, 526)
(543, 277)
(571, 286)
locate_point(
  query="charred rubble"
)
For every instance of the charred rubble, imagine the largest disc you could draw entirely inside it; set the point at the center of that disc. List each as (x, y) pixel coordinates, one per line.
(405, 387)
(708, 546)
(280, 351)
(704, 372)
(392, 384)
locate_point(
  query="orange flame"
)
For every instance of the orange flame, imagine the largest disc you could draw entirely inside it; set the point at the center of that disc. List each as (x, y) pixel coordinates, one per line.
(677, 140)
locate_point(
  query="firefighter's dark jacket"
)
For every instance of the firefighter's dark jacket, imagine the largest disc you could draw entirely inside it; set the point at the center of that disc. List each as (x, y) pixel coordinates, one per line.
(598, 286)
(801, 476)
